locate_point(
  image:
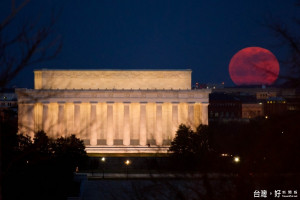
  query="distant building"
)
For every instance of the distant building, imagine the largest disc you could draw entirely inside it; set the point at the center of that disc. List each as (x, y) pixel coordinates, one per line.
(198, 85)
(252, 110)
(224, 107)
(244, 103)
(263, 95)
(293, 103)
(259, 92)
(275, 105)
(8, 105)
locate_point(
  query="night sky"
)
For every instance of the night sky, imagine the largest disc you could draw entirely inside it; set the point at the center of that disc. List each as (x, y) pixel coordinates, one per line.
(141, 34)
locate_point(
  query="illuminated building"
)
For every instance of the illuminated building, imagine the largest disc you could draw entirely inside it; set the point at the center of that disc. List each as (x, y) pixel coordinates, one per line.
(275, 105)
(113, 111)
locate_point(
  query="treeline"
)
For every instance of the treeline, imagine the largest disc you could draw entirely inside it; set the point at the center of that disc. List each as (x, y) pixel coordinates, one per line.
(262, 145)
(39, 168)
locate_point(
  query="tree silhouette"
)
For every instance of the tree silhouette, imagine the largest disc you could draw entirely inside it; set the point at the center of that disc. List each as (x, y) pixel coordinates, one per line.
(41, 143)
(289, 37)
(191, 149)
(182, 143)
(44, 166)
(70, 151)
(32, 44)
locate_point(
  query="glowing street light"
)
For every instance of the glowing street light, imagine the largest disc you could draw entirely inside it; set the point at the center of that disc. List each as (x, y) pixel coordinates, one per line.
(127, 163)
(103, 162)
(236, 159)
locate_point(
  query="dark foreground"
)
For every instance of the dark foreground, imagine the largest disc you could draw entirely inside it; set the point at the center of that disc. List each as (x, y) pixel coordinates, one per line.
(188, 186)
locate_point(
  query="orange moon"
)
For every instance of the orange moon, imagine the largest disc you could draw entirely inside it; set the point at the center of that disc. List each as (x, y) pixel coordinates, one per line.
(254, 66)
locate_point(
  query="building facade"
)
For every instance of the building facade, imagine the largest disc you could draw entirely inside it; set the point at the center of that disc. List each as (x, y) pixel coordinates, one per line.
(113, 111)
(245, 103)
(8, 105)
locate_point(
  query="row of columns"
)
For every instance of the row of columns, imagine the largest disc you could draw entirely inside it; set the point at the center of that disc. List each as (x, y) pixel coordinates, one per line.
(126, 130)
(126, 123)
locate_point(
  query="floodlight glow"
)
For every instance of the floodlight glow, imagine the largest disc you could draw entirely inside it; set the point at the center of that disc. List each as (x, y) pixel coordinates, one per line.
(236, 159)
(127, 162)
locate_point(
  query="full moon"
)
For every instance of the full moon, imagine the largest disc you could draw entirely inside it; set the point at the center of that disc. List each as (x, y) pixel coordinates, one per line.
(254, 66)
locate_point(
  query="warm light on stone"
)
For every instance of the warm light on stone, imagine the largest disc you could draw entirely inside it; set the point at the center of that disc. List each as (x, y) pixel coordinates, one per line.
(113, 120)
(112, 79)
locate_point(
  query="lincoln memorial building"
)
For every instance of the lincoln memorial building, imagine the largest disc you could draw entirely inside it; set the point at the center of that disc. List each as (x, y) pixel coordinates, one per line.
(112, 111)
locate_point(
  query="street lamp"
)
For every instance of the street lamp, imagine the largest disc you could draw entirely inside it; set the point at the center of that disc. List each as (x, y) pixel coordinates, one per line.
(236, 159)
(127, 163)
(103, 162)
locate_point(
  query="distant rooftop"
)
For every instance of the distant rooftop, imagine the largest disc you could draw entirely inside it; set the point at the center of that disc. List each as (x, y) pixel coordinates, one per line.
(232, 97)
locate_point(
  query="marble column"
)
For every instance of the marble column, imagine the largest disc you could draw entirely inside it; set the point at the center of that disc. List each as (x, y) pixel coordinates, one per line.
(110, 124)
(77, 118)
(30, 119)
(69, 112)
(191, 122)
(158, 138)
(93, 124)
(61, 119)
(143, 125)
(21, 117)
(126, 133)
(38, 114)
(174, 118)
(204, 114)
(46, 117)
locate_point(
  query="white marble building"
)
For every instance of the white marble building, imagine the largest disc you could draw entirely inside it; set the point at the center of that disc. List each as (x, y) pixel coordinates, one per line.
(113, 111)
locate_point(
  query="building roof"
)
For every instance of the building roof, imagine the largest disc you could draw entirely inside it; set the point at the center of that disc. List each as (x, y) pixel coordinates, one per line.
(45, 69)
(113, 79)
(243, 98)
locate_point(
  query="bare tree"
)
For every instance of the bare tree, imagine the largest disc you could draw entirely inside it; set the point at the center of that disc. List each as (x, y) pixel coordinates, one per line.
(30, 45)
(289, 37)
